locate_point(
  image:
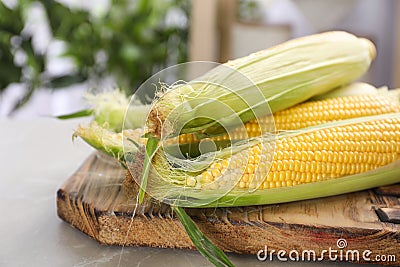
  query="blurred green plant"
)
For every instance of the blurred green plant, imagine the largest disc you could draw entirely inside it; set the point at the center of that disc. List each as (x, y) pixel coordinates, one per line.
(249, 11)
(129, 41)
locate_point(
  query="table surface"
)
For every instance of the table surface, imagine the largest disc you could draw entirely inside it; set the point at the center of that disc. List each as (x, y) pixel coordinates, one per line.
(36, 157)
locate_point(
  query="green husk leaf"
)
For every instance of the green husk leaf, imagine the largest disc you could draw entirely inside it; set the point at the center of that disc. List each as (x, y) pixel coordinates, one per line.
(264, 82)
(386, 175)
(357, 88)
(205, 246)
(107, 141)
(78, 114)
(151, 147)
(133, 142)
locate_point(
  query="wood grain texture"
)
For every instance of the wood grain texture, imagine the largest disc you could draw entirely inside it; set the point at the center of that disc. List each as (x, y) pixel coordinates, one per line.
(93, 200)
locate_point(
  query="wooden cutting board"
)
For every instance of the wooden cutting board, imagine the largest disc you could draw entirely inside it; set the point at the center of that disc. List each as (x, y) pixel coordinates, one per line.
(93, 201)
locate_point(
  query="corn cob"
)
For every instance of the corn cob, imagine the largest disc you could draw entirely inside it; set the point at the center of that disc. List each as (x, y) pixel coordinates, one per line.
(278, 78)
(323, 154)
(322, 160)
(309, 114)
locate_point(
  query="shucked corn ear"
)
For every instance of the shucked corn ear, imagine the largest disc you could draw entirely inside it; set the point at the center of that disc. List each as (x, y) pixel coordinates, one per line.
(312, 113)
(323, 160)
(281, 76)
(313, 156)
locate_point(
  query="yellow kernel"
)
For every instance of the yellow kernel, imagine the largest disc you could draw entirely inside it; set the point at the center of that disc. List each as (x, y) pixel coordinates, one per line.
(282, 176)
(265, 185)
(303, 177)
(298, 176)
(328, 167)
(250, 168)
(310, 155)
(318, 167)
(207, 177)
(276, 176)
(288, 175)
(216, 165)
(313, 166)
(304, 155)
(318, 155)
(285, 165)
(324, 156)
(346, 157)
(308, 178)
(303, 166)
(340, 157)
(322, 165)
(225, 163)
(297, 165)
(274, 165)
(292, 146)
(251, 160)
(330, 156)
(216, 173)
(335, 155)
